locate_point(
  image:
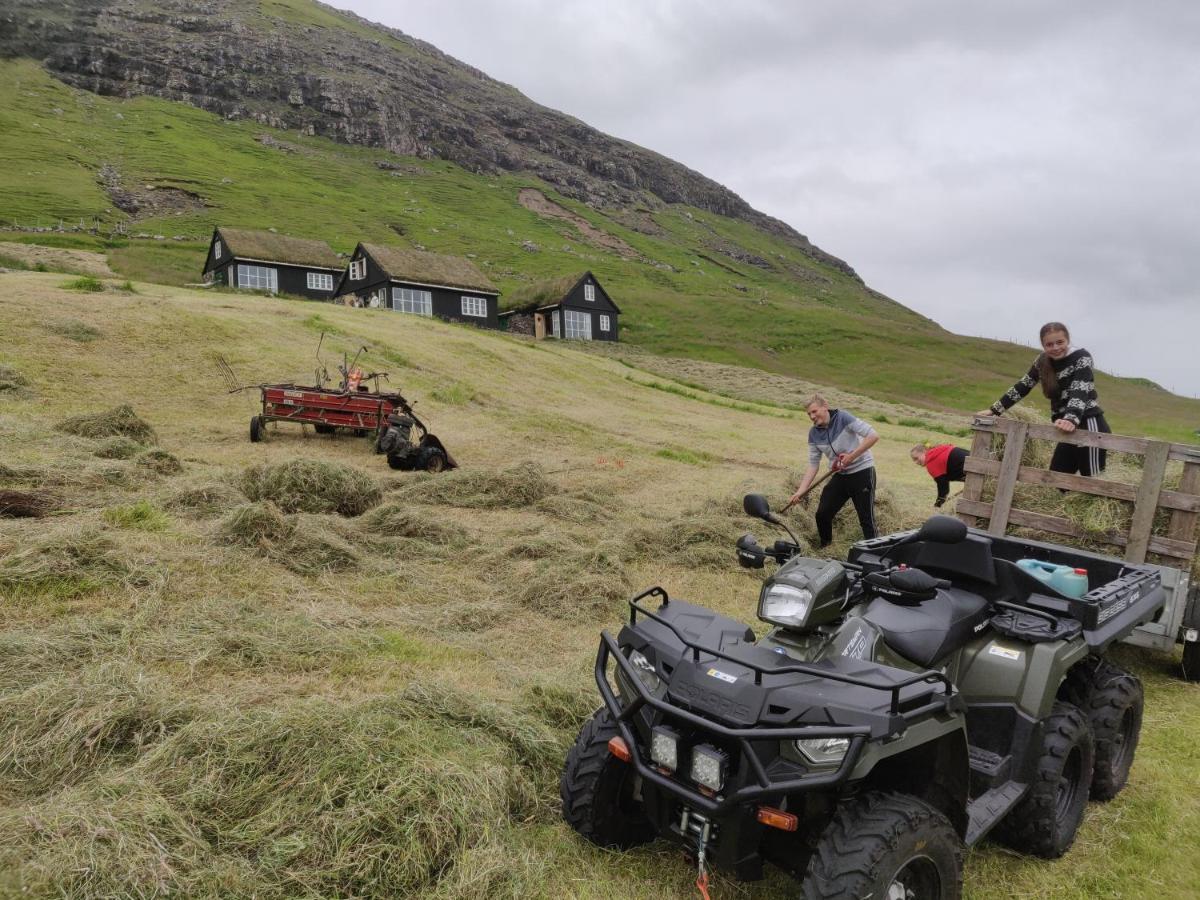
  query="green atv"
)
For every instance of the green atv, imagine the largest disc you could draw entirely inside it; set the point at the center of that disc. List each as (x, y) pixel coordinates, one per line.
(904, 704)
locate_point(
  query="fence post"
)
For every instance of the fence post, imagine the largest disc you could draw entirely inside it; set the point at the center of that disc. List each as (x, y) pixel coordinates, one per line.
(1183, 524)
(981, 448)
(1144, 507)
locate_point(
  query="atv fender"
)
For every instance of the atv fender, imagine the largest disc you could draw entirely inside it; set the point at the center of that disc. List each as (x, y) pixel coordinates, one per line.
(929, 762)
(997, 669)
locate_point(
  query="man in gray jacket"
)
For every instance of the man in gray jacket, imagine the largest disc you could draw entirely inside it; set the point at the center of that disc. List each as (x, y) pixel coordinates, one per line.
(846, 442)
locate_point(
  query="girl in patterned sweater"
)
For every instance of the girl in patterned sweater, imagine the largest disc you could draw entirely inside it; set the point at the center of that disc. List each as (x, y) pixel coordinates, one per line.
(1065, 375)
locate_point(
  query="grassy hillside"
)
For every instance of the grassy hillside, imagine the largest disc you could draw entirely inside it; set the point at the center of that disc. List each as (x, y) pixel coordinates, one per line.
(203, 696)
(680, 294)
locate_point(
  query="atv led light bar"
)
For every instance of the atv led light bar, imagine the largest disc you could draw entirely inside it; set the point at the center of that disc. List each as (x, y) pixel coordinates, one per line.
(664, 747)
(708, 767)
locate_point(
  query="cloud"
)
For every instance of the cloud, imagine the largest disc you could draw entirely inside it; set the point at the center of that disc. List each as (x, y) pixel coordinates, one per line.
(990, 165)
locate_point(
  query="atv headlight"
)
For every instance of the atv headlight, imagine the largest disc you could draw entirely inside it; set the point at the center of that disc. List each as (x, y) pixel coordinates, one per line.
(645, 671)
(664, 747)
(782, 604)
(824, 751)
(708, 767)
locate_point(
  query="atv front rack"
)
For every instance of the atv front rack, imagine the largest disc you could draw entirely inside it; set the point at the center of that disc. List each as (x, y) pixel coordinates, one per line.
(764, 782)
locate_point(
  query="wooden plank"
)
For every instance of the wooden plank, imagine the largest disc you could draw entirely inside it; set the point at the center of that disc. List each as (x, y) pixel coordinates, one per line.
(1185, 453)
(1081, 437)
(1144, 507)
(1010, 467)
(1183, 523)
(981, 450)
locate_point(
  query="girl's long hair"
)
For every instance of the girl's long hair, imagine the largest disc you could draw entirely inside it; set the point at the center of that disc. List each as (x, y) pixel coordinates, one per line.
(1046, 374)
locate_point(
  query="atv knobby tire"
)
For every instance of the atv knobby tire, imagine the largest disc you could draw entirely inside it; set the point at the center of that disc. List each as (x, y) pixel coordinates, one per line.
(885, 845)
(597, 790)
(1045, 821)
(1112, 699)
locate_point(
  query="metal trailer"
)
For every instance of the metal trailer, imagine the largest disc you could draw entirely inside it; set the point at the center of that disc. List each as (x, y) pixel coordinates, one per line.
(1174, 551)
(363, 412)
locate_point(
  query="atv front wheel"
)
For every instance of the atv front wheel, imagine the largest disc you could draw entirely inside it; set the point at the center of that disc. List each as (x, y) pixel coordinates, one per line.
(1113, 700)
(1045, 821)
(597, 790)
(885, 846)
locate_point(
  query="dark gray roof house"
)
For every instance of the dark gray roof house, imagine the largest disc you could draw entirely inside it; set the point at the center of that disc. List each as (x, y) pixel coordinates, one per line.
(419, 283)
(572, 307)
(266, 261)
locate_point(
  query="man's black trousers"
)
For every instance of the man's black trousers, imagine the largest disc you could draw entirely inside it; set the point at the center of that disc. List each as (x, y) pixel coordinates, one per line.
(857, 486)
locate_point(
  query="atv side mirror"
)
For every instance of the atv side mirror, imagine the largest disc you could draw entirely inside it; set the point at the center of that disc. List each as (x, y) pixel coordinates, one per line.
(756, 505)
(942, 530)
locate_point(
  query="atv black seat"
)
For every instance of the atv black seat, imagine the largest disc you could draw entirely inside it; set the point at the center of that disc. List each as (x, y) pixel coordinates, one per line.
(932, 629)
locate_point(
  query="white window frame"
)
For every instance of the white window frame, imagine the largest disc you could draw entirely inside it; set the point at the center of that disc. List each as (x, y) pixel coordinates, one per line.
(589, 292)
(257, 278)
(412, 302)
(474, 306)
(577, 325)
(605, 323)
(358, 269)
(217, 249)
(556, 324)
(320, 281)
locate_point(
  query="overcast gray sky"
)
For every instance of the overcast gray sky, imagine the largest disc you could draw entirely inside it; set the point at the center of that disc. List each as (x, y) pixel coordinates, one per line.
(992, 165)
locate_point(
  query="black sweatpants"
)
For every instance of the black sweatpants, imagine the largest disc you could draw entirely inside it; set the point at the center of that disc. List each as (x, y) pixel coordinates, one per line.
(856, 486)
(1084, 460)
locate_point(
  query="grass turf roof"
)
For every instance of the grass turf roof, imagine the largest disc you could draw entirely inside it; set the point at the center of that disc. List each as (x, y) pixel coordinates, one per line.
(272, 247)
(422, 267)
(529, 297)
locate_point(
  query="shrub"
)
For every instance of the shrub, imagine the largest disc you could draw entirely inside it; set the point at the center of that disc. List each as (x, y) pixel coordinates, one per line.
(85, 283)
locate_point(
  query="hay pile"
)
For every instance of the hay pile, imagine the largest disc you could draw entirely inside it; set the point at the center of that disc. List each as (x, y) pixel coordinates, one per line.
(26, 504)
(516, 487)
(66, 562)
(401, 520)
(118, 447)
(703, 537)
(581, 507)
(206, 500)
(120, 420)
(12, 382)
(312, 486)
(589, 581)
(159, 461)
(307, 546)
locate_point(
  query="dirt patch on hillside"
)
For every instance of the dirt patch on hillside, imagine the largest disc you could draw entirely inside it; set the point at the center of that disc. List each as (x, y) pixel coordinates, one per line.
(539, 203)
(58, 259)
(148, 201)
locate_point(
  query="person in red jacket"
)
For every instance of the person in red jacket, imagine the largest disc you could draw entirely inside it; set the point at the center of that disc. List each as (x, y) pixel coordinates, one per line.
(944, 464)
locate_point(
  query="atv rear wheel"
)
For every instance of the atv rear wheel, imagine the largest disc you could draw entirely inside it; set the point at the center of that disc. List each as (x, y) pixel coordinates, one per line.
(597, 790)
(886, 846)
(1045, 821)
(1112, 699)
(256, 429)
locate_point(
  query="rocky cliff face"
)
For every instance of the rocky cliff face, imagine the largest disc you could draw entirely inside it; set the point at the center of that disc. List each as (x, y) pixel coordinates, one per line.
(331, 73)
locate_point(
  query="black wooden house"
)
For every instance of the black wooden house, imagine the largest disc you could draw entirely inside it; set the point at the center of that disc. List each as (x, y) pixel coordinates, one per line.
(266, 261)
(419, 283)
(573, 307)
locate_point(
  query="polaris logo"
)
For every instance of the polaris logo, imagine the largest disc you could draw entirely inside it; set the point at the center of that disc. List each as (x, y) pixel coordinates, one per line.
(711, 700)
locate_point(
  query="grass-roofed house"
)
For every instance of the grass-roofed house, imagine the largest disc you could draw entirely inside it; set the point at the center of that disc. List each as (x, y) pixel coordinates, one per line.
(421, 283)
(266, 261)
(574, 307)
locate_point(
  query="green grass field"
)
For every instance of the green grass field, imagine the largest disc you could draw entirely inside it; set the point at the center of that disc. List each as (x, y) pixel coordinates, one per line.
(203, 696)
(798, 319)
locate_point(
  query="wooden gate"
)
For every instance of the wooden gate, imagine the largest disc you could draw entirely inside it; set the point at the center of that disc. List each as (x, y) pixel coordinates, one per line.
(1176, 548)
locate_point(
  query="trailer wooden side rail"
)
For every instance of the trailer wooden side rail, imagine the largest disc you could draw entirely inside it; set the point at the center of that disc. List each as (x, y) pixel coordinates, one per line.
(1177, 548)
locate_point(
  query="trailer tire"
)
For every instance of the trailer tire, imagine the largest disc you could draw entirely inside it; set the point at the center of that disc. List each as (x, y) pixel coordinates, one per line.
(885, 845)
(1191, 661)
(1044, 823)
(596, 789)
(256, 429)
(1113, 700)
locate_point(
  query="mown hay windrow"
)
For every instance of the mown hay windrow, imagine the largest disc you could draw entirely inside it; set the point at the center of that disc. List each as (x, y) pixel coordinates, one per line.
(580, 510)
(402, 520)
(312, 486)
(206, 500)
(585, 582)
(513, 488)
(118, 447)
(66, 562)
(703, 537)
(120, 420)
(26, 504)
(12, 381)
(301, 545)
(159, 462)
